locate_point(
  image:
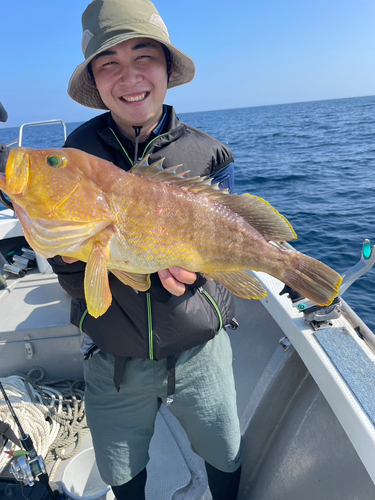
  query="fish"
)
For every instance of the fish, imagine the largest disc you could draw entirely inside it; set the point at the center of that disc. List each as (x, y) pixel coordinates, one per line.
(137, 222)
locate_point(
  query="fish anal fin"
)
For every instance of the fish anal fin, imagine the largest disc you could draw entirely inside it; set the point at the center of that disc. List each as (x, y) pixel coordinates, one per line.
(240, 283)
(140, 282)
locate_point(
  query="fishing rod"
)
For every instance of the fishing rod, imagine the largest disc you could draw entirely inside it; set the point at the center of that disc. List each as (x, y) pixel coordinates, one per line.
(12, 412)
(27, 466)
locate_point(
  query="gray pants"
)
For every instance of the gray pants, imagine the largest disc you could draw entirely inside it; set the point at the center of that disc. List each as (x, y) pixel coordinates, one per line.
(122, 423)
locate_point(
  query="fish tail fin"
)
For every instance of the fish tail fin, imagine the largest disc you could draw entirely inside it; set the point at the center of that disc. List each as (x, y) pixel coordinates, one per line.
(312, 279)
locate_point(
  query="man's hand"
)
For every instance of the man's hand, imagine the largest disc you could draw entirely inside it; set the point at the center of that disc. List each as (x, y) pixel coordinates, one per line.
(69, 260)
(175, 278)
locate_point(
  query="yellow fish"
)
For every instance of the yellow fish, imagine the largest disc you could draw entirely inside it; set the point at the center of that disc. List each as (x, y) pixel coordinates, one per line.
(135, 223)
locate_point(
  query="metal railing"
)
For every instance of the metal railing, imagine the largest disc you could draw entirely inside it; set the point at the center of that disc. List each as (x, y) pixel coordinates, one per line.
(32, 124)
(18, 141)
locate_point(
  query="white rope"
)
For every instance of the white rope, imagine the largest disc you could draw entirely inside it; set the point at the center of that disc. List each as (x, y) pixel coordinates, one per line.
(41, 431)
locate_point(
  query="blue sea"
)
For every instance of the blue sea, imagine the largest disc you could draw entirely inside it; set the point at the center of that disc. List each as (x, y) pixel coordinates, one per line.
(313, 161)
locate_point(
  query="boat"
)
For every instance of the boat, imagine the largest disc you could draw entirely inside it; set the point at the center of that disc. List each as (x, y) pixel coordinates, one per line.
(305, 381)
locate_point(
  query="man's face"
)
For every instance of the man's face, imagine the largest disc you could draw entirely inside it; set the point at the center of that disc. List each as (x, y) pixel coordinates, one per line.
(132, 80)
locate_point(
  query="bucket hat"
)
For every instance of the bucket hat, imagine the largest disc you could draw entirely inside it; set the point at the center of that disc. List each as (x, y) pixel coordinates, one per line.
(106, 23)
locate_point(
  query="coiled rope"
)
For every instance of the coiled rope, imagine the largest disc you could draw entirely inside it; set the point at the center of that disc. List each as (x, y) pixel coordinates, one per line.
(51, 412)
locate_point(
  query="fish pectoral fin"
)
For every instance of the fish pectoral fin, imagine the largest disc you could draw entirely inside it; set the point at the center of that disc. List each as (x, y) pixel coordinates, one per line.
(140, 282)
(240, 283)
(97, 292)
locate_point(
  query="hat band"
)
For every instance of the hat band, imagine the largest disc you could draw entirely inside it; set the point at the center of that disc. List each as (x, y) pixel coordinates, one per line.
(105, 39)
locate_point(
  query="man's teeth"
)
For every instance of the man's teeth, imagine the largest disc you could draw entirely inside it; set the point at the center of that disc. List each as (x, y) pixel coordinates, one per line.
(135, 98)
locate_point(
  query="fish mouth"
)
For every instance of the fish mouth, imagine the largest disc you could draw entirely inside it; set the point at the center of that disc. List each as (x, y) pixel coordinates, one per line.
(17, 172)
(141, 96)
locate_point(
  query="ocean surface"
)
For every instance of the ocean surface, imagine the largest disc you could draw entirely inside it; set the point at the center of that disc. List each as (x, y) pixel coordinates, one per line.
(314, 162)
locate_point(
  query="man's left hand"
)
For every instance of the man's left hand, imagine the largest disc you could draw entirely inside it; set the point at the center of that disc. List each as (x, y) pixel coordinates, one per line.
(174, 279)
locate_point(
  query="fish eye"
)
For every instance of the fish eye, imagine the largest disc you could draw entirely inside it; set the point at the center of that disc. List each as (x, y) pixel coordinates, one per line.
(57, 161)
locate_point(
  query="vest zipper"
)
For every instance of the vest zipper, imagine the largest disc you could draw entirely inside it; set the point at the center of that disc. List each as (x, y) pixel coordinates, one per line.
(148, 296)
(146, 148)
(213, 304)
(150, 330)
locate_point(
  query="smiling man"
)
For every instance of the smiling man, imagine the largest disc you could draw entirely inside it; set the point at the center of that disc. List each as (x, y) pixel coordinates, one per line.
(167, 345)
(132, 81)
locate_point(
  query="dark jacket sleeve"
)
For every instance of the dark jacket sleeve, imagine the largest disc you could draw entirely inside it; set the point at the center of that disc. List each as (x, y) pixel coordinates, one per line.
(225, 178)
(71, 276)
(4, 153)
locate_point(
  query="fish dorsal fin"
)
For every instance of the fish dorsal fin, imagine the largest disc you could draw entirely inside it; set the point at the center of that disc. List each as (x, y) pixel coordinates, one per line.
(256, 211)
(156, 171)
(261, 215)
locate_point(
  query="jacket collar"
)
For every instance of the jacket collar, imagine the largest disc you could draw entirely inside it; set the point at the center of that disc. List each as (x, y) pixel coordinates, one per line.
(172, 131)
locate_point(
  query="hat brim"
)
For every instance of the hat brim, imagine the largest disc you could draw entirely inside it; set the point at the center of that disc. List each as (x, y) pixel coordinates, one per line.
(82, 88)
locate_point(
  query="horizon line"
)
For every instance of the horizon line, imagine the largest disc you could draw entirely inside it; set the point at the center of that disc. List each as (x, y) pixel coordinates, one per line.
(4, 126)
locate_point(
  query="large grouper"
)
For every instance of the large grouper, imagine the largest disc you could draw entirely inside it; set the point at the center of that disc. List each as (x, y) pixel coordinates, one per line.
(134, 223)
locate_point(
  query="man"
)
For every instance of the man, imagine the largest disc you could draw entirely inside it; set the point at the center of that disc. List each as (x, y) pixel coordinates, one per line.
(168, 344)
(3, 114)
(4, 151)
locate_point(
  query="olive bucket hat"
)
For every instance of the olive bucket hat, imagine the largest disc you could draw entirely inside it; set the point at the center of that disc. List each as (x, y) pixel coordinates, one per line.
(107, 23)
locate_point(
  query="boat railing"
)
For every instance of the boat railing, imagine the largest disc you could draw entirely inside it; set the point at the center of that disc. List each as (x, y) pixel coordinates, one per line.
(18, 142)
(32, 124)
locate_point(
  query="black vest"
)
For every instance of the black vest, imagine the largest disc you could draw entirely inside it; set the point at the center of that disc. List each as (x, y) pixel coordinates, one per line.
(151, 324)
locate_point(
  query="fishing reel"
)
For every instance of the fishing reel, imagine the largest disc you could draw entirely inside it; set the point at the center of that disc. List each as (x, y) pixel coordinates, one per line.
(318, 314)
(26, 471)
(28, 466)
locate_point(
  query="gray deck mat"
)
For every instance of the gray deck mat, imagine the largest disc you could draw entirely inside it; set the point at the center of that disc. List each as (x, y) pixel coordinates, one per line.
(357, 369)
(167, 471)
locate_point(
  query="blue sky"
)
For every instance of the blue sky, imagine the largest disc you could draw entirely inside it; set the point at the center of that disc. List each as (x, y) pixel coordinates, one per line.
(247, 53)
